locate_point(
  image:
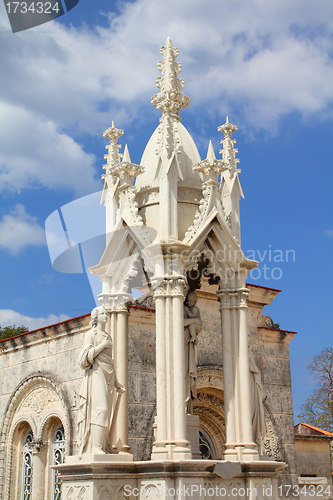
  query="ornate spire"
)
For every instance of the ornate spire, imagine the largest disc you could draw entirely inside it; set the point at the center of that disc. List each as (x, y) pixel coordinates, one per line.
(229, 152)
(170, 100)
(231, 190)
(210, 167)
(123, 170)
(112, 157)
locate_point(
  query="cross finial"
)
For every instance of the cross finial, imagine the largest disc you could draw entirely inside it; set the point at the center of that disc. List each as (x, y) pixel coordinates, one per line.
(170, 100)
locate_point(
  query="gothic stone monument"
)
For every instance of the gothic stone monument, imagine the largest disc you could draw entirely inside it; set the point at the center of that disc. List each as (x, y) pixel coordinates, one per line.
(176, 217)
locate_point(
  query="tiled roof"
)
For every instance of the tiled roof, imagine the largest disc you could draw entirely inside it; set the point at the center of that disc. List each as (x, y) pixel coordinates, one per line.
(322, 431)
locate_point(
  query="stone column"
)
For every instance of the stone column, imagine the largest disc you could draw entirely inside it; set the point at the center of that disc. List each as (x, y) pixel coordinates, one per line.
(179, 368)
(171, 440)
(121, 357)
(250, 451)
(236, 375)
(229, 368)
(161, 386)
(38, 471)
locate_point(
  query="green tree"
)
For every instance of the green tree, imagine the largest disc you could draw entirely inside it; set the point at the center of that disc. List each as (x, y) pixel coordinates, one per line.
(10, 331)
(317, 410)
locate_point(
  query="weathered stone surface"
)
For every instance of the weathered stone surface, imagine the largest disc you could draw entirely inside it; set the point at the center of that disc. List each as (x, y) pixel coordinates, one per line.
(141, 355)
(286, 424)
(209, 357)
(286, 399)
(290, 457)
(277, 350)
(141, 417)
(273, 398)
(147, 387)
(276, 371)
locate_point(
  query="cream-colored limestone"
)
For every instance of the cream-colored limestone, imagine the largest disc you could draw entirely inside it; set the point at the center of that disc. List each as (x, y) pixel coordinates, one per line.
(171, 218)
(100, 391)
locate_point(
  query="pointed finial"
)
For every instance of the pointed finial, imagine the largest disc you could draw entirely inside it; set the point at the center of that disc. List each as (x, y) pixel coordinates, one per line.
(210, 153)
(170, 100)
(126, 155)
(229, 151)
(211, 168)
(113, 133)
(227, 127)
(112, 157)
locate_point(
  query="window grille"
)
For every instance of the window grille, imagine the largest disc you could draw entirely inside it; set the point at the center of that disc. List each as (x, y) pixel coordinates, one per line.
(206, 446)
(27, 467)
(58, 454)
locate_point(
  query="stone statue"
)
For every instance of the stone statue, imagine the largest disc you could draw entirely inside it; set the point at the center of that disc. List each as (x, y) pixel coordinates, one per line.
(192, 326)
(97, 412)
(257, 398)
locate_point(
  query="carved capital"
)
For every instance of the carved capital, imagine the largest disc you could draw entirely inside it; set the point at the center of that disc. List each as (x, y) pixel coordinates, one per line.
(243, 295)
(171, 286)
(225, 298)
(115, 302)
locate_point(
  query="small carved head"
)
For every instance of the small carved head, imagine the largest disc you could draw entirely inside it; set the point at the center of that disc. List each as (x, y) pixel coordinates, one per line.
(98, 314)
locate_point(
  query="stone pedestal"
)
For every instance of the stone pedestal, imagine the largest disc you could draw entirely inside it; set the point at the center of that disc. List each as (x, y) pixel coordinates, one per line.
(168, 480)
(95, 458)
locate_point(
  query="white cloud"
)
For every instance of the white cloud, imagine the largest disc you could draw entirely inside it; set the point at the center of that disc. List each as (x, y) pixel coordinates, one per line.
(329, 233)
(266, 58)
(18, 229)
(34, 152)
(9, 317)
(266, 53)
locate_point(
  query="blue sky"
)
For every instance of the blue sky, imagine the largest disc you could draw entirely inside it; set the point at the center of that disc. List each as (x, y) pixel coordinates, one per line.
(268, 65)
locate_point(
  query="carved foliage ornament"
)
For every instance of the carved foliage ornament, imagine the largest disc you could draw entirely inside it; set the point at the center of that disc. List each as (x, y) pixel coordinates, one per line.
(171, 286)
(271, 442)
(39, 399)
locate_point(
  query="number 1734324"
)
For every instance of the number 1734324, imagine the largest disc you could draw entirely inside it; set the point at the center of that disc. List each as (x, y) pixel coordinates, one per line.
(33, 7)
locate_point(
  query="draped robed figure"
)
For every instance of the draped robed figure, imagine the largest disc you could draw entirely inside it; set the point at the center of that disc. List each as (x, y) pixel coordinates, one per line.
(192, 326)
(97, 404)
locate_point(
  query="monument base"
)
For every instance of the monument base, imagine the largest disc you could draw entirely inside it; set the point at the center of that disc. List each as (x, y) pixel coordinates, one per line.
(169, 480)
(90, 458)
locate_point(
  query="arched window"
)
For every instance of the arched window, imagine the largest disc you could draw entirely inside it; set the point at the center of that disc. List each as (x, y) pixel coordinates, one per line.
(58, 453)
(26, 489)
(206, 446)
